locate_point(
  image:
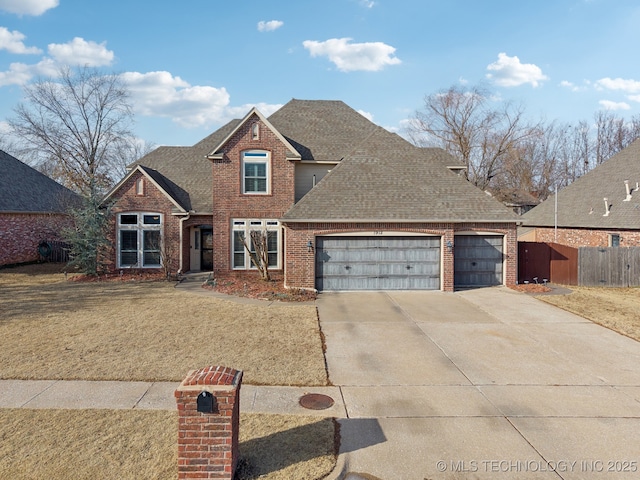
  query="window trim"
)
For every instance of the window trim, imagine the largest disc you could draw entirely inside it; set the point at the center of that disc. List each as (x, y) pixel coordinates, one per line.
(615, 238)
(246, 225)
(256, 157)
(140, 227)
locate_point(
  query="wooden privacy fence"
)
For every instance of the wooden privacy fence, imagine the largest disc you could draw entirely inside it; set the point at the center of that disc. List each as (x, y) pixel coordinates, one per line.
(585, 266)
(551, 261)
(610, 267)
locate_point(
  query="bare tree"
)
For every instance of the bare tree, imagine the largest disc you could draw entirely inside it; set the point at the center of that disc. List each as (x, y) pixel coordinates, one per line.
(75, 126)
(466, 123)
(258, 249)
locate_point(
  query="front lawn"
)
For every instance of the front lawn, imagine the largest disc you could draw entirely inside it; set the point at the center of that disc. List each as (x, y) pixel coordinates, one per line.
(54, 328)
(141, 444)
(614, 308)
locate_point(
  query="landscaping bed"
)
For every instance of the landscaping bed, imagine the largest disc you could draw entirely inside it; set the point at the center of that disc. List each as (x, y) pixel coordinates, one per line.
(250, 285)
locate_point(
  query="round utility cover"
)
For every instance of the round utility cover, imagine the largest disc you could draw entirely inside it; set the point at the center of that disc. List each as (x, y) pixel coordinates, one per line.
(316, 401)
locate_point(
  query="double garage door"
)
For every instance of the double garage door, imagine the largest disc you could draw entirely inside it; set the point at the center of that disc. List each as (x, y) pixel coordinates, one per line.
(405, 262)
(378, 263)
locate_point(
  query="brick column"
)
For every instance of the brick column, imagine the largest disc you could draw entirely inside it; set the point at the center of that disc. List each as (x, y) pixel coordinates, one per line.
(208, 440)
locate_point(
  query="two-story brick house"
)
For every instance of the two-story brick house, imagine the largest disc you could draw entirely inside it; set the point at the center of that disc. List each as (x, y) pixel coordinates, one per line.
(345, 205)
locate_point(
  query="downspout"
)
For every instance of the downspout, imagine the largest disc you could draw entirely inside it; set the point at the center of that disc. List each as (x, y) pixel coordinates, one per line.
(555, 217)
(180, 269)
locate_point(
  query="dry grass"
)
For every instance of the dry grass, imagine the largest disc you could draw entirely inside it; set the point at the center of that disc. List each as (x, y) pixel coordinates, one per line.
(614, 308)
(135, 444)
(57, 329)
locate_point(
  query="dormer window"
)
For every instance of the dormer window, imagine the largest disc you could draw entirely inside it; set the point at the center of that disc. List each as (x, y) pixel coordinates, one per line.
(255, 172)
(255, 131)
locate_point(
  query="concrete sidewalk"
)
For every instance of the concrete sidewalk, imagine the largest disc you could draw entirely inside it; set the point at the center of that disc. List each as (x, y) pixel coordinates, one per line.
(76, 394)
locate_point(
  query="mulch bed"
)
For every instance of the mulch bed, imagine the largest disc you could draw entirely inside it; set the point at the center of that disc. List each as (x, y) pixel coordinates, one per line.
(530, 288)
(251, 286)
(118, 277)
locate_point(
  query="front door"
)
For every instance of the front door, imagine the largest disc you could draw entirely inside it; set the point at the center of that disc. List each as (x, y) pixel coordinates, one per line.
(194, 254)
(206, 250)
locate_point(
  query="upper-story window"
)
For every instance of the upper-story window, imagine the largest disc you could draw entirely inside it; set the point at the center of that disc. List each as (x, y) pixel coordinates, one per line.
(255, 172)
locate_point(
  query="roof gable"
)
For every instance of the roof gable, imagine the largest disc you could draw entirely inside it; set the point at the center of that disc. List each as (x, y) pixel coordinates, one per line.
(581, 204)
(293, 154)
(24, 189)
(164, 185)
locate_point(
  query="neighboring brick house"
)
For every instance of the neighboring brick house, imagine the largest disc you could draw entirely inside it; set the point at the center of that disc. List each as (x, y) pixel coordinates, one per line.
(33, 209)
(599, 209)
(345, 205)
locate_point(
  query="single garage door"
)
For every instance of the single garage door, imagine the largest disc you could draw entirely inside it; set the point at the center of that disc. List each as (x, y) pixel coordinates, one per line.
(478, 260)
(378, 263)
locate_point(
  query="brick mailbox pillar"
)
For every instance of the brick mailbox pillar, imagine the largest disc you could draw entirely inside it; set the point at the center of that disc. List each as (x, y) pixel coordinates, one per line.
(208, 422)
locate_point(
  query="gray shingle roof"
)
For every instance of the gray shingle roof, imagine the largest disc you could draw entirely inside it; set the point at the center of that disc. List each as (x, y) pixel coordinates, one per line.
(184, 172)
(581, 204)
(388, 179)
(322, 130)
(24, 189)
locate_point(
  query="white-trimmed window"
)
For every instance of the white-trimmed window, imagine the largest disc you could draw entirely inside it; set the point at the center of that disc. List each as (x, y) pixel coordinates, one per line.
(614, 239)
(139, 240)
(241, 229)
(255, 172)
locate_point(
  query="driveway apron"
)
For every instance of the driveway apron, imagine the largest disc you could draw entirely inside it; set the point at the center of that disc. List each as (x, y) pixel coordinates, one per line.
(486, 383)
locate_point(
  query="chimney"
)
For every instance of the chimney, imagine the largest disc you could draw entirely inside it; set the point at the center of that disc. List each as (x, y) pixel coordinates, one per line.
(606, 207)
(626, 186)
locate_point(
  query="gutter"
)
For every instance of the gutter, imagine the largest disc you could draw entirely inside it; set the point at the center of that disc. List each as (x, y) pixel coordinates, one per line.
(400, 220)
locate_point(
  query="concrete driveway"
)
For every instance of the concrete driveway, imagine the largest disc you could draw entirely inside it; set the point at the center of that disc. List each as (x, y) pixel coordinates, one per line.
(481, 384)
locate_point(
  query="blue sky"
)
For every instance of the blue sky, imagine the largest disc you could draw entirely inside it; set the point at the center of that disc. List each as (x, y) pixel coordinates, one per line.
(192, 66)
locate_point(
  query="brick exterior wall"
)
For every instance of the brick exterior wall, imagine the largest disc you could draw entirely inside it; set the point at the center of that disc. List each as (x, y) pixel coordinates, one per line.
(155, 201)
(20, 234)
(228, 200)
(300, 263)
(208, 441)
(579, 237)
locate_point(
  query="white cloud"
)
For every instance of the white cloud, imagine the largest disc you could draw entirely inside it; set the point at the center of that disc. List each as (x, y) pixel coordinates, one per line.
(81, 52)
(239, 112)
(77, 52)
(348, 57)
(160, 94)
(27, 7)
(509, 72)
(21, 73)
(366, 115)
(12, 42)
(628, 86)
(367, 3)
(609, 105)
(269, 26)
(634, 98)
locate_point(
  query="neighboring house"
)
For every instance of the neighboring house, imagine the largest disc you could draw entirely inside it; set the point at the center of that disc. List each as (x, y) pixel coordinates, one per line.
(33, 209)
(517, 200)
(599, 209)
(345, 204)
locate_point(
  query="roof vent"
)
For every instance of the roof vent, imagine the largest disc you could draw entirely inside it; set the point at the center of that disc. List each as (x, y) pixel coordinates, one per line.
(606, 207)
(626, 186)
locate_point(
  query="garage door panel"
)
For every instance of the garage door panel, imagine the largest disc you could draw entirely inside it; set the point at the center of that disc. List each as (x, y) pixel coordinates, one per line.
(377, 263)
(478, 260)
